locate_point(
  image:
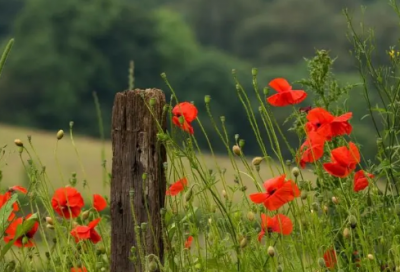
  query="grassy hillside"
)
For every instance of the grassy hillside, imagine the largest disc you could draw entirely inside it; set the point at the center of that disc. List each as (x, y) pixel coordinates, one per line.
(89, 150)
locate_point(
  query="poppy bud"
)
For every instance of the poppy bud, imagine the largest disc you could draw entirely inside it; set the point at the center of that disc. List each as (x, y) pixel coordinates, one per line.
(209, 220)
(236, 137)
(25, 240)
(303, 194)
(85, 215)
(181, 120)
(49, 220)
(222, 119)
(241, 143)
(207, 99)
(266, 91)
(250, 216)
(254, 71)
(189, 194)
(271, 251)
(197, 266)
(18, 142)
(243, 188)
(257, 160)
(153, 266)
(279, 268)
(321, 263)
(353, 221)
(243, 242)
(295, 172)
(370, 257)
(152, 102)
(346, 233)
(143, 226)
(49, 226)
(233, 71)
(60, 134)
(224, 194)
(236, 150)
(163, 76)
(325, 209)
(335, 200)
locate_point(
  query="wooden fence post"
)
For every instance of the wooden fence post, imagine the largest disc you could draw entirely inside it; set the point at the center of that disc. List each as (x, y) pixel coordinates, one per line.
(137, 167)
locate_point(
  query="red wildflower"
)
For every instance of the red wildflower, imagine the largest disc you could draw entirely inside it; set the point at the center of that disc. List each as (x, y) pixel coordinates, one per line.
(24, 240)
(81, 269)
(344, 161)
(312, 149)
(99, 203)
(87, 232)
(189, 113)
(177, 187)
(188, 242)
(328, 125)
(67, 202)
(279, 223)
(285, 96)
(17, 188)
(360, 180)
(278, 192)
(330, 258)
(7, 196)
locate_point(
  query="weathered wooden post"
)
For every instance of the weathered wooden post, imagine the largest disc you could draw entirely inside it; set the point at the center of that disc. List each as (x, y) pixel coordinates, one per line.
(137, 167)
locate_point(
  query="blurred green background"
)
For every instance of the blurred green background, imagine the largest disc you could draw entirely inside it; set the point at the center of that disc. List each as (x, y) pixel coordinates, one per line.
(65, 50)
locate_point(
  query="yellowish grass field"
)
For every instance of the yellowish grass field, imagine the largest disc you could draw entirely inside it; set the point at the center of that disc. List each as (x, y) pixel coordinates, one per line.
(90, 155)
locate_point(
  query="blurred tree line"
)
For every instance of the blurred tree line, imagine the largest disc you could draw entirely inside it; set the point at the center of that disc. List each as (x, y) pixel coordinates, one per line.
(66, 50)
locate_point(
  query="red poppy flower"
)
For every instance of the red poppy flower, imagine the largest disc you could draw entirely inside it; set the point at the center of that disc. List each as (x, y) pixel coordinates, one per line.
(7, 196)
(344, 161)
(278, 192)
(279, 223)
(24, 240)
(67, 202)
(189, 113)
(177, 187)
(81, 269)
(312, 149)
(188, 242)
(87, 232)
(330, 258)
(99, 203)
(285, 96)
(328, 125)
(360, 180)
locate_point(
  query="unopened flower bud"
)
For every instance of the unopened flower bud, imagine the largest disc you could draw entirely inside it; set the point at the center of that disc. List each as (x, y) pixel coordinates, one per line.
(153, 266)
(60, 134)
(295, 172)
(143, 226)
(335, 200)
(236, 150)
(321, 262)
(243, 242)
(346, 233)
(257, 160)
(279, 268)
(250, 216)
(304, 194)
(325, 208)
(353, 221)
(85, 214)
(241, 143)
(25, 240)
(209, 220)
(271, 251)
(18, 142)
(207, 99)
(163, 76)
(75, 224)
(266, 91)
(254, 71)
(152, 102)
(189, 194)
(370, 257)
(49, 226)
(224, 194)
(222, 119)
(49, 220)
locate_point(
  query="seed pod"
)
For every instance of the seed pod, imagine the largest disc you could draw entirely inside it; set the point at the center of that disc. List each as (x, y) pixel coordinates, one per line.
(153, 266)
(243, 242)
(304, 194)
(224, 194)
(370, 257)
(335, 200)
(49, 220)
(346, 233)
(85, 214)
(325, 208)
(353, 221)
(49, 226)
(236, 150)
(271, 251)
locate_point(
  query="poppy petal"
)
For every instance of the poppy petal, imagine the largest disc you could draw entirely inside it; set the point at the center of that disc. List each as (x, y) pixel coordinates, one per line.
(336, 170)
(281, 224)
(258, 197)
(99, 203)
(274, 183)
(280, 85)
(18, 188)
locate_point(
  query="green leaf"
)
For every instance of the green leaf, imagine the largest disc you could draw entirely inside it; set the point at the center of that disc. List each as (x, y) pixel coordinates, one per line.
(21, 230)
(5, 54)
(5, 212)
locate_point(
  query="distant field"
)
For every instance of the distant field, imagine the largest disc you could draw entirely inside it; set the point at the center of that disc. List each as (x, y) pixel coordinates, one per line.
(90, 154)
